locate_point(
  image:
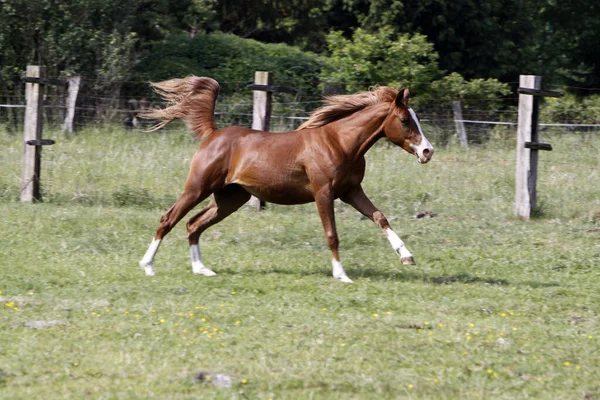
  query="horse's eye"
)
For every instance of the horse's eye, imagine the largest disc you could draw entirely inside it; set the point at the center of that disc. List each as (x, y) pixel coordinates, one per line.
(404, 121)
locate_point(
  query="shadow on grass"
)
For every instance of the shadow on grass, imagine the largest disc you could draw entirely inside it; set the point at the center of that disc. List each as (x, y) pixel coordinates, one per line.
(460, 278)
(401, 276)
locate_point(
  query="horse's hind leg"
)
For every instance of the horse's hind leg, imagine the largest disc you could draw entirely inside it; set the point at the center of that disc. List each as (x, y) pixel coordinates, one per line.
(170, 218)
(224, 202)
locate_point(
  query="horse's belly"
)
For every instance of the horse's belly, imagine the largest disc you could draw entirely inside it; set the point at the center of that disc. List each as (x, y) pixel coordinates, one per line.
(281, 194)
(273, 180)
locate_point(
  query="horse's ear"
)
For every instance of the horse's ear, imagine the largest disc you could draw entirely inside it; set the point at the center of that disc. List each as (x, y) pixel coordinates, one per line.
(402, 97)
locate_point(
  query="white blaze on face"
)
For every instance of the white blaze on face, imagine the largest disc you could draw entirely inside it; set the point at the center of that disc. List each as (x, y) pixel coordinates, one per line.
(424, 146)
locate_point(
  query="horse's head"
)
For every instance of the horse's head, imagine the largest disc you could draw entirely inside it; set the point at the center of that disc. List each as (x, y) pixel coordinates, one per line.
(402, 128)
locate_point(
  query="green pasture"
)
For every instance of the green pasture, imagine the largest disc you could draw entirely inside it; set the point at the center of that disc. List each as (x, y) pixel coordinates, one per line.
(496, 308)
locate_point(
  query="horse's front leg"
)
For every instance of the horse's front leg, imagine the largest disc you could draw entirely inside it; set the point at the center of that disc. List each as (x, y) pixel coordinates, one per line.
(357, 198)
(324, 200)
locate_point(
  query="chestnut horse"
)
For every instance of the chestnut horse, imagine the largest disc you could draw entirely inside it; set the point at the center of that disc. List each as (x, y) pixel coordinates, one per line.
(321, 161)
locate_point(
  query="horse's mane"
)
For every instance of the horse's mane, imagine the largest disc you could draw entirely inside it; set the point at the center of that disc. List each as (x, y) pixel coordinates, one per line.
(341, 106)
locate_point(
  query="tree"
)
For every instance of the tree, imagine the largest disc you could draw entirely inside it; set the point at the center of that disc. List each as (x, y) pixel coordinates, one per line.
(380, 58)
(568, 48)
(481, 94)
(94, 38)
(493, 38)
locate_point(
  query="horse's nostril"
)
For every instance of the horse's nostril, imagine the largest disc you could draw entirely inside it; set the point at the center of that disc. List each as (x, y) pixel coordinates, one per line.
(426, 153)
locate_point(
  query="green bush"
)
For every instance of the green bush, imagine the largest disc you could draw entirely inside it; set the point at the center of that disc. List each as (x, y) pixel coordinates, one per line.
(380, 58)
(232, 61)
(480, 94)
(571, 109)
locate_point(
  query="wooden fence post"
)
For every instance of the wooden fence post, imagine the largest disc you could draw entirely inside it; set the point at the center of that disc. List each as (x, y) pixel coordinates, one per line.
(261, 116)
(261, 113)
(74, 83)
(528, 145)
(526, 174)
(525, 180)
(30, 178)
(460, 125)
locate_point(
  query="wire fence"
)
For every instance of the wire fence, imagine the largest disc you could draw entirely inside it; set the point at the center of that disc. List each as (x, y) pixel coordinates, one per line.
(288, 113)
(98, 103)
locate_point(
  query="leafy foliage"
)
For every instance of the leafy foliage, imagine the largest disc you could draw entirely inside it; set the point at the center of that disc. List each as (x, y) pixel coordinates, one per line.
(480, 93)
(570, 109)
(87, 37)
(379, 58)
(232, 61)
(378, 41)
(568, 45)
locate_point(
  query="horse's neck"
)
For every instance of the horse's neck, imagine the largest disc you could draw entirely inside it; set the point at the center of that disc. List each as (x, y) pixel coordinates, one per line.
(358, 132)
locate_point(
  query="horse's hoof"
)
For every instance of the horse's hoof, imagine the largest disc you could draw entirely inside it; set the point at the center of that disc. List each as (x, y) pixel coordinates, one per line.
(408, 260)
(344, 279)
(148, 269)
(204, 272)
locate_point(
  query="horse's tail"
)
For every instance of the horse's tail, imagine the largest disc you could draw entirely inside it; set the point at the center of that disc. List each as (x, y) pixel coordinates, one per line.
(191, 99)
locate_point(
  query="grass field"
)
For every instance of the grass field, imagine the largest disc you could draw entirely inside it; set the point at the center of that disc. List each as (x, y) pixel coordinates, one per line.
(496, 308)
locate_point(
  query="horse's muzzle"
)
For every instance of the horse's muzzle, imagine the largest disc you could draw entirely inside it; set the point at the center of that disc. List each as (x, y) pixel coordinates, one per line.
(424, 155)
